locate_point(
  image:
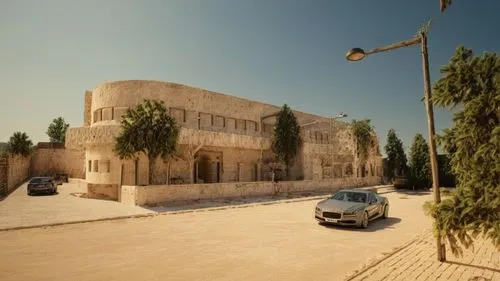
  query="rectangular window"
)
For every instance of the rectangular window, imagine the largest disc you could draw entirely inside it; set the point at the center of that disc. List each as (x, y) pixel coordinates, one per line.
(90, 165)
(96, 166)
(106, 166)
(179, 114)
(219, 121)
(241, 124)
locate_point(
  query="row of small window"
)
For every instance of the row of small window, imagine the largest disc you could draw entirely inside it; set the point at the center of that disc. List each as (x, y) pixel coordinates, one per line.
(98, 166)
(108, 113)
(318, 137)
(205, 120)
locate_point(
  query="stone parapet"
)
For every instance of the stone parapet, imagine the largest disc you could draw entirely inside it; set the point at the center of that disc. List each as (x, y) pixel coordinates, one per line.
(157, 194)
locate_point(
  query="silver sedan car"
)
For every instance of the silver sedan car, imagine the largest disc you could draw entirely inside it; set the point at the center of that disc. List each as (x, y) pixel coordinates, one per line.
(352, 207)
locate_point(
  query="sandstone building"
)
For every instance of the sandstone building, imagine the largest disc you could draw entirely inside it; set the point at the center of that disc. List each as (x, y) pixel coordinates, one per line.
(222, 139)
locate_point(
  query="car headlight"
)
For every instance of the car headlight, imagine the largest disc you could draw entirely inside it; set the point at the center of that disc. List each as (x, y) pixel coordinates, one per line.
(318, 210)
(351, 213)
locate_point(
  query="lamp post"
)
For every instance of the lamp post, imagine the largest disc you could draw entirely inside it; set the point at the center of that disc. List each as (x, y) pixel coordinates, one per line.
(357, 54)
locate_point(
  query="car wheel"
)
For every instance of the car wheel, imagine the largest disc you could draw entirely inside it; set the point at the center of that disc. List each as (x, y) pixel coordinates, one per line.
(364, 222)
(386, 212)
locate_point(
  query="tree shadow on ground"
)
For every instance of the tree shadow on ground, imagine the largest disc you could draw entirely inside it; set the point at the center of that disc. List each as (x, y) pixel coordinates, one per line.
(417, 192)
(374, 225)
(474, 265)
(231, 202)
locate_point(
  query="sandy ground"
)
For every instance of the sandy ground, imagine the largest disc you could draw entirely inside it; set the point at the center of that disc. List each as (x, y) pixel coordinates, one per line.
(270, 242)
(19, 209)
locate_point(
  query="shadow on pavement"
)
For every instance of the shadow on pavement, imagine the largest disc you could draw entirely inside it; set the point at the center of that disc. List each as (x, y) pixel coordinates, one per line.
(413, 192)
(374, 225)
(475, 266)
(43, 194)
(230, 203)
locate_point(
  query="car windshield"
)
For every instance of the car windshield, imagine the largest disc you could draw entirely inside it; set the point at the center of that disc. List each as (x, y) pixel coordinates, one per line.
(40, 180)
(350, 196)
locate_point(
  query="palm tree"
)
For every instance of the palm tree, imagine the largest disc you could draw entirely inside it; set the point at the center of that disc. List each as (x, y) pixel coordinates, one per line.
(147, 129)
(443, 4)
(19, 144)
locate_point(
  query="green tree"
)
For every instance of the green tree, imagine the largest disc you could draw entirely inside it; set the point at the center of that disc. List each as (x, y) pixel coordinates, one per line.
(396, 157)
(471, 84)
(363, 132)
(57, 130)
(148, 129)
(420, 163)
(287, 140)
(19, 144)
(443, 4)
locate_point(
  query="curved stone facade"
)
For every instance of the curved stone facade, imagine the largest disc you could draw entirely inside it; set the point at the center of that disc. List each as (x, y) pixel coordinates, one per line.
(222, 139)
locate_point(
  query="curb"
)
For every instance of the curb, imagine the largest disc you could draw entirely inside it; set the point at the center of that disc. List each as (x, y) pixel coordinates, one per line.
(154, 214)
(371, 265)
(76, 222)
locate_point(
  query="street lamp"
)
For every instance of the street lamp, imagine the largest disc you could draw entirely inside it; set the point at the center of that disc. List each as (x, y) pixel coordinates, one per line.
(357, 54)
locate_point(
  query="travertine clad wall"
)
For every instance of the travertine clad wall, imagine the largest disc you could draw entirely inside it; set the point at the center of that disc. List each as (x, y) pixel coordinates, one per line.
(50, 161)
(157, 194)
(219, 132)
(14, 170)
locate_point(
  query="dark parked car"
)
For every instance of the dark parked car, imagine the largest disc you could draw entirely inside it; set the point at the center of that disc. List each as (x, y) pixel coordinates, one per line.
(42, 185)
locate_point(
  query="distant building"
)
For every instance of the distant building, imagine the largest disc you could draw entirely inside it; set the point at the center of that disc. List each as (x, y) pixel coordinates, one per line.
(222, 139)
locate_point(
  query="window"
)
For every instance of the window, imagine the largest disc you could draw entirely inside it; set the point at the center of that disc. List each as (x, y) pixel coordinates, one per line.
(219, 121)
(241, 124)
(179, 114)
(96, 166)
(105, 166)
(371, 198)
(90, 165)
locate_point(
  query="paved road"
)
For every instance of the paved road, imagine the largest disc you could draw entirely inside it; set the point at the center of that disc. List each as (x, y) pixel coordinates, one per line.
(271, 242)
(19, 209)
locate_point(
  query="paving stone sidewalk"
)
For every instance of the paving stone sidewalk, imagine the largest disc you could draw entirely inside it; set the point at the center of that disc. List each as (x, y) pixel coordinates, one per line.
(417, 261)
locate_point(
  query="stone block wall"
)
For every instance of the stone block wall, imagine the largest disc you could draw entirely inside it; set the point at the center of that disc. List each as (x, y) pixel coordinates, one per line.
(14, 171)
(158, 194)
(49, 161)
(4, 171)
(87, 117)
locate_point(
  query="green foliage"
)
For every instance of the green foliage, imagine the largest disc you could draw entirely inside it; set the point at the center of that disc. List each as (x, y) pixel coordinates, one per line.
(362, 131)
(446, 176)
(420, 163)
(396, 157)
(147, 129)
(287, 140)
(473, 85)
(443, 4)
(57, 130)
(19, 144)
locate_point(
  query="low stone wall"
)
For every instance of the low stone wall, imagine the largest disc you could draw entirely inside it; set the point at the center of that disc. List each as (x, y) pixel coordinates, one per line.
(14, 171)
(156, 194)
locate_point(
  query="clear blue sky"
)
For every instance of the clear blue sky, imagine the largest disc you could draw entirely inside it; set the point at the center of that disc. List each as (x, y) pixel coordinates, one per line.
(275, 51)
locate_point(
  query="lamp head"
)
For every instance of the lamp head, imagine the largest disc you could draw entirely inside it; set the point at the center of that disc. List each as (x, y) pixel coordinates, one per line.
(355, 54)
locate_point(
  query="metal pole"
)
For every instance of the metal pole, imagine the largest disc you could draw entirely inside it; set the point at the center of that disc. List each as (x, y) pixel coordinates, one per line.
(441, 252)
